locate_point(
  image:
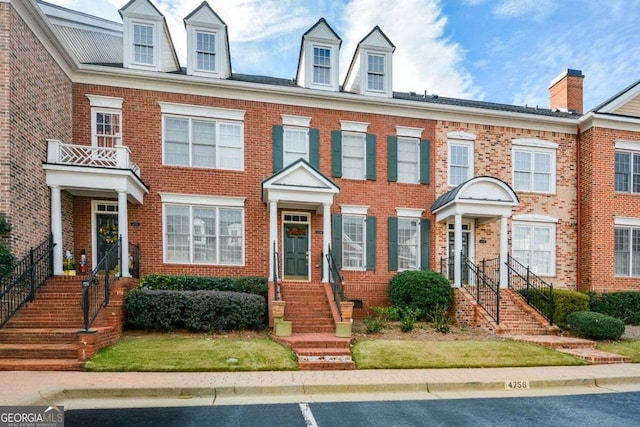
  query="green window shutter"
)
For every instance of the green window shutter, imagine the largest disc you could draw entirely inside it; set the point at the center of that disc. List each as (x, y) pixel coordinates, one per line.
(371, 243)
(425, 244)
(393, 243)
(278, 148)
(371, 157)
(314, 148)
(336, 245)
(424, 161)
(392, 158)
(336, 153)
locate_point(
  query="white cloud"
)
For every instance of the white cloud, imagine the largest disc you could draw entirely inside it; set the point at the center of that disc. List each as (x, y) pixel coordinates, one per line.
(536, 9)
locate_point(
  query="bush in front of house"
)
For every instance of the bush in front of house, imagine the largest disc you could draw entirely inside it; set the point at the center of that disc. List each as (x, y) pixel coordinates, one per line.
(566, 302)
(426, 291)
(621, 305)
(224, 311)
(168, 310)
(595, 326)
(7, 260)
(248, 285)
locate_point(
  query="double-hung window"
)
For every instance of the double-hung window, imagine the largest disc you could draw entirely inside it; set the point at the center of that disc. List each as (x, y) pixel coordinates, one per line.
(534, 244)
(408, 160)
(460, 161)
(626, 246)
(534, 165)
(143, 44)
(375, 73)
(353, 155)
(321, 65)
(202, 234)
(205, 51)
(627, 166)
(296, 144)
(202, 141)
(353, 242)
(106, 126)
(408, 244)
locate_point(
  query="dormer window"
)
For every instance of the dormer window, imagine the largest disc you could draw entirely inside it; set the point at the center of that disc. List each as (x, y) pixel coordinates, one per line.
(206, 51)
(143, 45)
(322, 65)
(375, 72)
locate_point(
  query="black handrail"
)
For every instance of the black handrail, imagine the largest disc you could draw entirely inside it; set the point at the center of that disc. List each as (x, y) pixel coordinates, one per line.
(19, 287)
(276, 274)
(537, 292)
(97, 287)
(483, 287)
(336, 280)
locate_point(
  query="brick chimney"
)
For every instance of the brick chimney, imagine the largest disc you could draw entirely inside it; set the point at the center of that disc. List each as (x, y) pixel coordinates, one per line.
(565, 91)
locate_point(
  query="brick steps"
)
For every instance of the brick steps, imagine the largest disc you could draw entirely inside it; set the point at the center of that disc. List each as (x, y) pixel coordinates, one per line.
(39, 351)
(37, 335)
(40, 365)
(318, 351)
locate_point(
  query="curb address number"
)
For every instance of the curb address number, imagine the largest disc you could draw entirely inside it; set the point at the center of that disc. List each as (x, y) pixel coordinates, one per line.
(516, 385)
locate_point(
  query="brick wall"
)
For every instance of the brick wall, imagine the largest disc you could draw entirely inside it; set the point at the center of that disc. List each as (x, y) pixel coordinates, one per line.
(39, 108)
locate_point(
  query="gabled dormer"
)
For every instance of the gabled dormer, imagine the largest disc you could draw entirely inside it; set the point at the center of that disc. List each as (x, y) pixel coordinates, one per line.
(147, 42)
(318, 62)
(370, 69)
(207, 44)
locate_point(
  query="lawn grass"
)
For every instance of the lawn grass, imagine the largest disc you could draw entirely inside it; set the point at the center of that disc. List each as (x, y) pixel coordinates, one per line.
(410, 354)
(166, 353)
(629, 348)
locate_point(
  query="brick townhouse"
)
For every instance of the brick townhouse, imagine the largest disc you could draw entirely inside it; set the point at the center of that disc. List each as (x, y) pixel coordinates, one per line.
(103, 130)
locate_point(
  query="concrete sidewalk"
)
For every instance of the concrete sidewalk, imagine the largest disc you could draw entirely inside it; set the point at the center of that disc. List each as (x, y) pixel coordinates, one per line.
(94, 390)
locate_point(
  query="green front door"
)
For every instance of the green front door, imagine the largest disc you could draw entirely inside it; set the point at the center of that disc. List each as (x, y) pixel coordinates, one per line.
(107, 233)
(296, 251)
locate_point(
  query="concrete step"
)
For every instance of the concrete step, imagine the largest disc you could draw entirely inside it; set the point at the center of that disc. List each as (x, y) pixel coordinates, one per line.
(597, 357)
(38, 351)
(40, 365)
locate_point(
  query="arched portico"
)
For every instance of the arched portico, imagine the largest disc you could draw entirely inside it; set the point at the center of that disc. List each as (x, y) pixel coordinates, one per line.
(483, 198)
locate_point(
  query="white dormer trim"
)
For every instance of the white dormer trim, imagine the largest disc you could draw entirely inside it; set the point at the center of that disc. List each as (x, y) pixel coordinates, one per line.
(349, 126)
(322, 37)
(374, 45)
(203, 20)
(130, 24)
(300, 121)
(409, 132)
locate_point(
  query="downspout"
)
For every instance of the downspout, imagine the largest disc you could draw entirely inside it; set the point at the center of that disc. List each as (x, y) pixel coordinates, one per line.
(579, 211)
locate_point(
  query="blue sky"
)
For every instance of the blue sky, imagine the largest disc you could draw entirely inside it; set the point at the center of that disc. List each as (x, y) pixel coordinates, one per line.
(504, 51)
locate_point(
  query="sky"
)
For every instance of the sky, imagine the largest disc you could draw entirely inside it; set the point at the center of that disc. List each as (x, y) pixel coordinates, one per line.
(504, 51)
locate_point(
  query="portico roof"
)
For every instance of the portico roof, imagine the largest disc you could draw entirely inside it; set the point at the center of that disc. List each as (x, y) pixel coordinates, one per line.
(480, 197)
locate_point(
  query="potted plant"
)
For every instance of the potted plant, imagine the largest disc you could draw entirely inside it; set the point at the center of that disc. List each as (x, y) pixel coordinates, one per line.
(69, 267)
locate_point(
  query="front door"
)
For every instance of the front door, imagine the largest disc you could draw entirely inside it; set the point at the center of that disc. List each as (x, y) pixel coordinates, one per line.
(296, 251)
(106, 233)
(465, 251)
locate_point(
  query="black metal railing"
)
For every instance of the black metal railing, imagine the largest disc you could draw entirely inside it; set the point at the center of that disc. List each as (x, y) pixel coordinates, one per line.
(537, 292)
(277, 286)
(335, 280)
(134, 260)
(484, 289)
(19, 287)
(97, 286)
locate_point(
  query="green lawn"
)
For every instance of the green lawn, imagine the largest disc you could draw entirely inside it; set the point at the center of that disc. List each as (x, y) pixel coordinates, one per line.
(408, 354)
(629, 348)
(167, 353)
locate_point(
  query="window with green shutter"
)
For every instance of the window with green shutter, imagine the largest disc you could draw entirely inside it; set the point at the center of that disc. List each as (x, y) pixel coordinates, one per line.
(371, 242)
(278, 148)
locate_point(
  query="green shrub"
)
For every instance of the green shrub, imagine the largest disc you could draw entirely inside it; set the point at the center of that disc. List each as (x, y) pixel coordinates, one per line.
(168, 310)
(596, 326)
(621, 305)
(247, 285)
(372, 325)
(440, 320)
(154, 310)
(423, 290)
(224, 311)
(386, 314)
(567, 302)
(7, 261)
(408, 318)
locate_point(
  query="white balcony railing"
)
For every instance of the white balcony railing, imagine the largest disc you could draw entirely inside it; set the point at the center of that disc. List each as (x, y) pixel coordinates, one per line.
(118, 157)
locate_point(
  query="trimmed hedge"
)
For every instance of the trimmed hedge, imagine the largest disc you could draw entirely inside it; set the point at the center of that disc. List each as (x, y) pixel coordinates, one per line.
(426, 291)
(247, 285)
(621, 305)
(596, 326)
(566, 302)
(194, 310)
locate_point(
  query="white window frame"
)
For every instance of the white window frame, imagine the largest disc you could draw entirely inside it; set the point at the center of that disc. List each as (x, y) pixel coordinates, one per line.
(382, 75)
(410, 214)
(196, 52)
(414, 161)
(359, 212)
(533, 147)
(153, 46)
(631, 225)
(631, 148)
(217, 115)
(469, 145)
(537, 222)
(363, 138)
(209, 202)
(287, 150)
(314, 65)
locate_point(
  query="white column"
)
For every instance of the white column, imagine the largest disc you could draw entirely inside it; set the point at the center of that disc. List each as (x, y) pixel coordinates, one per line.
(273, 233)
(326, 240)
(56, 229)
(457, 251)
(504, 251)
(123, 230)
